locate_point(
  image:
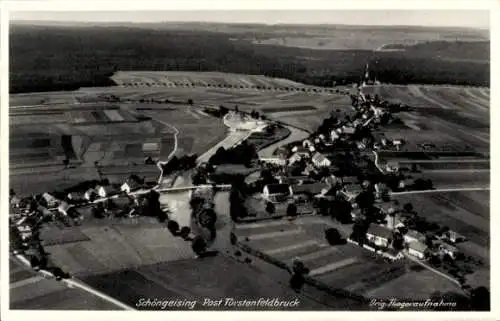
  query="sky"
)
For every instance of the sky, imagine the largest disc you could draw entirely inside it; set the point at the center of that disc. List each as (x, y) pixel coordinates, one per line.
(449, 18)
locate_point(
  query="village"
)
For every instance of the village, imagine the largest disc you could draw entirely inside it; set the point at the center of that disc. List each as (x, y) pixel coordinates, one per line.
(333, 173)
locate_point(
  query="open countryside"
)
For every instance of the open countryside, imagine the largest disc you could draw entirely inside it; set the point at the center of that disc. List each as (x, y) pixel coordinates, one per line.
(333, 190)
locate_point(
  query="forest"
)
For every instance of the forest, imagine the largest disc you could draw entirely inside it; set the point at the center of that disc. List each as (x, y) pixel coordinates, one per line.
(44, 58)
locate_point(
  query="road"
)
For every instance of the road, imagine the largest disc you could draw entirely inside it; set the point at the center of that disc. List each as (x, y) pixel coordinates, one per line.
(442, 190)
(40, 290)
(431, 268)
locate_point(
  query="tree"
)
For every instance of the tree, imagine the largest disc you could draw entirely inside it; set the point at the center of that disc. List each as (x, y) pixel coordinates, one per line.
(291, 210)
(480, 299)
(270, 208)
(97, 212)
(333, 236)
(66, 162)
(408, 208)
(190, 102)
(398, 241)
(184, 232)
(199, 245)
(173, 227)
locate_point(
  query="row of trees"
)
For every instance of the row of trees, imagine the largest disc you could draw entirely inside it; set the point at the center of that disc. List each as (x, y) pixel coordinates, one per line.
(184, 162)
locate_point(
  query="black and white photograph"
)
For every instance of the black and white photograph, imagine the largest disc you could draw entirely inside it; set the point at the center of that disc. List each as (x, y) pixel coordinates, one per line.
(247, 160)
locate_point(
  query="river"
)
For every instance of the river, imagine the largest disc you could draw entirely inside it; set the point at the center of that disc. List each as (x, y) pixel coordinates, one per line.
(295, 135)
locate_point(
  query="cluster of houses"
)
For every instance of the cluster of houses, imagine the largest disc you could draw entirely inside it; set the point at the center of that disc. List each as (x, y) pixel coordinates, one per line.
(415, 243)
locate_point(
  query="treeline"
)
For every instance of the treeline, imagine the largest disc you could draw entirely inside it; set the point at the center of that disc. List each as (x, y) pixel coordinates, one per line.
(59, 58)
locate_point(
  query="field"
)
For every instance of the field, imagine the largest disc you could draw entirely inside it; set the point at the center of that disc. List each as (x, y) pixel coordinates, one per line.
(277, 98)
(346, 267)
(453, 121)
(29, 291)
(461, 112)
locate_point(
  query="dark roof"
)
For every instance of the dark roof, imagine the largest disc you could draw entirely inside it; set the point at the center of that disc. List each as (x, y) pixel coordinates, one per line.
(121, 201)
(278, 188)
(349, 180)
(378, 230)
(133, 183)
(309, 188)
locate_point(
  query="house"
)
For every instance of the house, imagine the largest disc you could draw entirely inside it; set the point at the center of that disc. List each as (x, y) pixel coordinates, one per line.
(309, 170)
(302, 151)
(388, 208)
(312, 149)
(277, 192)
(51, 200)
(448, 249)
(15, 201)
(334, 135)
(274, 160)
(360, 145)
(454, 237)
(379, 235)
(349, 130)
(356, 213)
(75, 197)
(380, 190)
(397, 143)
(310, 189)
(296, 157)
(352, 190)
(306, 143)
(417, 249)
(414, 236)
(131, 184)
(106, 191)
(393, 220)
(405, 183)
(392, 167)
(296, 180)
(65, 208)
(331, 180)
(319, 160)
(25, 232)
(90, 194)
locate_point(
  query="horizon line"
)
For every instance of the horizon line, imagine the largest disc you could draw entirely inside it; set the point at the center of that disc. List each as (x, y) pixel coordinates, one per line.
(41, 22)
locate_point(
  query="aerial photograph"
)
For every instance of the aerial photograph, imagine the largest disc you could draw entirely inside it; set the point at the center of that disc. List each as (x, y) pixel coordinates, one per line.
(249, 160)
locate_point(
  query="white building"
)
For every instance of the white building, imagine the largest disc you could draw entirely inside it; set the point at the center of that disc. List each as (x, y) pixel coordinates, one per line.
(447, 249)
(64, 208)
(51, 200)
(334, 135)
(105, 191)
(392, 167)
(277, 192)
(274, 160)
(414, 236)
(319, 160)
(379, 235)
(90, 194)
